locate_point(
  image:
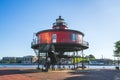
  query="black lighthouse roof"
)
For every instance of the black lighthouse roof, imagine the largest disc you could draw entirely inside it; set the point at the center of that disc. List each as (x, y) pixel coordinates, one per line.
(60, 24)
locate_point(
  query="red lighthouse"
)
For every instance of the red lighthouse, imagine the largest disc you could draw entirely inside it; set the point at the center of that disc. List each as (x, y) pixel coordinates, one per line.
(59, 39)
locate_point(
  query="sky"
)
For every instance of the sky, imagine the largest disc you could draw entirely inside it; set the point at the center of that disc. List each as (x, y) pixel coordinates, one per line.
(99, 20)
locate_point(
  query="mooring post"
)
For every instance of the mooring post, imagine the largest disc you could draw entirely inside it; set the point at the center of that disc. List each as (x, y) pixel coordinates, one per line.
(82, 59)
(46, 64)
(38, 60)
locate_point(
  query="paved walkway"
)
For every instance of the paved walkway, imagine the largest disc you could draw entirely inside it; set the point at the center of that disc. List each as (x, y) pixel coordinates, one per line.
(15, 77)
(98, 74)
(14, 74)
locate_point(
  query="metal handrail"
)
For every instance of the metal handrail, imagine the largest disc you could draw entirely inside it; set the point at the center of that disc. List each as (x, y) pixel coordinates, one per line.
(84, 43)
(34, 42)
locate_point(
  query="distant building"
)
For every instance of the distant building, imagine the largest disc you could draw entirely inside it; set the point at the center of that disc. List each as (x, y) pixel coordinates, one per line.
(101, 62)
(29, 59)
(19, 59)
(22, 60)
(9, 59)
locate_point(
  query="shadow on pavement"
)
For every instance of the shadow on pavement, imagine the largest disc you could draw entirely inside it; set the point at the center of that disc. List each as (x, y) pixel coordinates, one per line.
(93, 75)
(17, 71)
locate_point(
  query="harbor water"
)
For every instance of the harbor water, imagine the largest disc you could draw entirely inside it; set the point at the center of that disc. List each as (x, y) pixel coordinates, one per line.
(56, 66)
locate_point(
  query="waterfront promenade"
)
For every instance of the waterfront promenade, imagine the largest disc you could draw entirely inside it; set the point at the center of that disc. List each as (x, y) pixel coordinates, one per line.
(32, 74)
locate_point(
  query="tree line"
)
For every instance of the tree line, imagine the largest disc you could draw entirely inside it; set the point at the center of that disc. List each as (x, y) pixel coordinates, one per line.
(85, 59)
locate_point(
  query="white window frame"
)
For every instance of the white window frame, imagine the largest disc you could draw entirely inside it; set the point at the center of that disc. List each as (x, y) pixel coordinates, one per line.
(73, 37)
(54, 38)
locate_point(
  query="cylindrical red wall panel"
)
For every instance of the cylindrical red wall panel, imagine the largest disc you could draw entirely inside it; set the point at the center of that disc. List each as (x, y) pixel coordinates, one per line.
(61, 37)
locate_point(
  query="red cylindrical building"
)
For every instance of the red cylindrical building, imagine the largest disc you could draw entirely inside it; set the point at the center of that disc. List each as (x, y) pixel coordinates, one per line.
(59, 39)
(62, 38)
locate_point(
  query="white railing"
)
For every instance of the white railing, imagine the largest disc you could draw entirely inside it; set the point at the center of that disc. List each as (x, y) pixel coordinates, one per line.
(85, 43)
(34, 42)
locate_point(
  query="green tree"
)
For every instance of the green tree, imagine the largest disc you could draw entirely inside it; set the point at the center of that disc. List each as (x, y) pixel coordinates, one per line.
(0, 61)
(84, 59)
(117, 51)
(76, 60)
(91, 57)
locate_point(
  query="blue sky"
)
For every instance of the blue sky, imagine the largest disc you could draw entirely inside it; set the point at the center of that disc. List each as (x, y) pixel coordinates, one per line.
(99, 20)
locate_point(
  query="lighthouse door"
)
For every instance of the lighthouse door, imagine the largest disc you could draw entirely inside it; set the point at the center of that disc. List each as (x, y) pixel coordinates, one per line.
(54, 38)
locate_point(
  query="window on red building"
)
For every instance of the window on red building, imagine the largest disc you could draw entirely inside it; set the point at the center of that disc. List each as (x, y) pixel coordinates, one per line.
(54, 38)
(73, 37)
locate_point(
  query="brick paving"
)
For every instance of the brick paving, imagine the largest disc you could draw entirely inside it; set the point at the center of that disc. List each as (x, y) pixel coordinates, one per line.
(13, 74)
(15, 77)
(32, 74)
